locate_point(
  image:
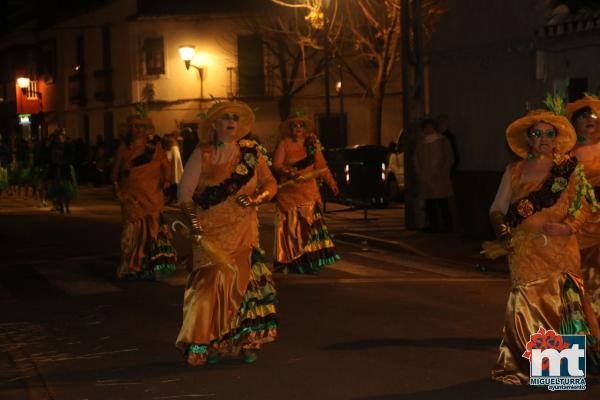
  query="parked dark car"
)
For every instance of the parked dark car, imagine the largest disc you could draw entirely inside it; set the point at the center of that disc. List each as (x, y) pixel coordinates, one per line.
(360, 172)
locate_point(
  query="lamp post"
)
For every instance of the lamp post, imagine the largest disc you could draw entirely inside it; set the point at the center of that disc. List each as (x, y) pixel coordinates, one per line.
(339, 88)
(24, 83)
(187, 54)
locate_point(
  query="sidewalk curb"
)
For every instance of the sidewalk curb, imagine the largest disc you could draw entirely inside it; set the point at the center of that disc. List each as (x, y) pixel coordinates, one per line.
(482, 265)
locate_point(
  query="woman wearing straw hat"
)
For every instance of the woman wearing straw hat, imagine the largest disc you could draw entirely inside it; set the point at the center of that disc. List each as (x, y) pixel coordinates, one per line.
(540, 205)
(302, 243)
(140, 173)
(583, 115)
(229, 301)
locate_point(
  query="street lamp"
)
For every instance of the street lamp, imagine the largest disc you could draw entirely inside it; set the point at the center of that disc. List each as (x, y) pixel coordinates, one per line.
(187, 54)
(23, 84)
(27, 90)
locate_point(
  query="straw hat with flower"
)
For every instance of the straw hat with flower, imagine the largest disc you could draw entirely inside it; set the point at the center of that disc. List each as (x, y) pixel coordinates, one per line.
(217, 110)
(589, 100)
(299, 116)
(517, 132)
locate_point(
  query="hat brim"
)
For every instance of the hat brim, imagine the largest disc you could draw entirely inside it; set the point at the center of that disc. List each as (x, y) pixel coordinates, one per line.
(244, 125)
(284, 127)
(587, 101)
(516, 133)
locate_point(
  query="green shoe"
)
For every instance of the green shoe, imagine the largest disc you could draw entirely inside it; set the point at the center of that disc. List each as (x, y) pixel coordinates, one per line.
(212, 358)
(250, 357)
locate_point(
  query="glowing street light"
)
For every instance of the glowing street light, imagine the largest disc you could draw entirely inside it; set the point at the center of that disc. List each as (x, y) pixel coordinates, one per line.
(23, 83)
(187, 54)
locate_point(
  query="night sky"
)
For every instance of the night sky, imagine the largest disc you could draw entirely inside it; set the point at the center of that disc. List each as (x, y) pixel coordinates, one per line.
(15, 12)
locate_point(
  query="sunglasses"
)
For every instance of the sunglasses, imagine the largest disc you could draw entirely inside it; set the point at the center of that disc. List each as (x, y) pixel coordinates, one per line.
(588, 114)
(230, 117)
(538, 133)
(299, 125)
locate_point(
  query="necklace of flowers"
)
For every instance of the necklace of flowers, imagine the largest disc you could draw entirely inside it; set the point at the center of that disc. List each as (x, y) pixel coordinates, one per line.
(583, 190)
(547, 195)
(241, 175)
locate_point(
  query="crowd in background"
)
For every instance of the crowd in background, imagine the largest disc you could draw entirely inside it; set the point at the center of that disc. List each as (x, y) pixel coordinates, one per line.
(49, 168)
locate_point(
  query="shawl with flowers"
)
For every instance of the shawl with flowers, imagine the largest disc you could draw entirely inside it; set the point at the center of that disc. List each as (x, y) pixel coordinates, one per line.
(310, 144)
(242, 173)
(546, 196)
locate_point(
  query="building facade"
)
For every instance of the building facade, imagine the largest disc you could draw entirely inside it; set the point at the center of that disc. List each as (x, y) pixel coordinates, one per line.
(489, 63)
(88, 72)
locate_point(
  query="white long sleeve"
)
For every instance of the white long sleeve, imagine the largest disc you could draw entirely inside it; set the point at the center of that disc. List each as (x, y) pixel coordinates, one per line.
(504, 193)
(177, 165)
(190, 178)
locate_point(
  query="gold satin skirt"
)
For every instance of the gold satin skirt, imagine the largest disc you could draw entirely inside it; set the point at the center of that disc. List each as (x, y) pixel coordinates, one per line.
(302, 241)
(553, 302)
(217, 317)
(135, 242)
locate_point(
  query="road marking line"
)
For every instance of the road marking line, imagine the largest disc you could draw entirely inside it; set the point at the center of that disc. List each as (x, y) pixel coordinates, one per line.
(360, 270)
(74, 282)
(415, 264)
(404, 245)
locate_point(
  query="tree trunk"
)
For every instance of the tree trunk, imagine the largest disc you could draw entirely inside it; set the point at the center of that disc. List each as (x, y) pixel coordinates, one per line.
(376, 114)
(284, 104)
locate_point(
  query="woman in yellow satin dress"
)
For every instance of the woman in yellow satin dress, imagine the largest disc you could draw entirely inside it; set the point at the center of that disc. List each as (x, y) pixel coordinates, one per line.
(302, 241)
(140, 174)
(583, 115)
(537, 211)
(229, 300)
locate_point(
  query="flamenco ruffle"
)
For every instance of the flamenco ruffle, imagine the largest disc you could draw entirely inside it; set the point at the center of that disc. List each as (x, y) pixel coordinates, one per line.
(554, 303)
(573, 322)
(319, 250)
(255, 322)
(160, 262)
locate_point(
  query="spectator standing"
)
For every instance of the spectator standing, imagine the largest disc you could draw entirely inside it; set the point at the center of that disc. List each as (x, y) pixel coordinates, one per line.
(444, 128)
(433, 163)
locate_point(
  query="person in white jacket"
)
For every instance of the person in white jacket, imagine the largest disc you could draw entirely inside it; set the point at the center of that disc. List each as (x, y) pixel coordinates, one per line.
(433, 163)
(174, 157)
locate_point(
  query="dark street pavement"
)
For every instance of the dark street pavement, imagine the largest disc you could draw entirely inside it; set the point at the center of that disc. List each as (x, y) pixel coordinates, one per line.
(403, 316)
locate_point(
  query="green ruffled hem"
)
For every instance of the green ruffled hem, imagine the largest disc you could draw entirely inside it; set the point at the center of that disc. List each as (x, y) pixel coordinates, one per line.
(198, 349)
(301, 266)
(158, 272)
(261, 288)
(255, 320)
(263, 329)
(573, 322)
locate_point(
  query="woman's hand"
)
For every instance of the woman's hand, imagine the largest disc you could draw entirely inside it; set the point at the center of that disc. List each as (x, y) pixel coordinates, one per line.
(252, 200)
(557, 229)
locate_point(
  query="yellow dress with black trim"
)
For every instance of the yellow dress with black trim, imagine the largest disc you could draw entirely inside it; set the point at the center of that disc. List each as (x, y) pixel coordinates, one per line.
(546, 280)
(589, 234)
(302, 240)
(146, 251)
(230, 307)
